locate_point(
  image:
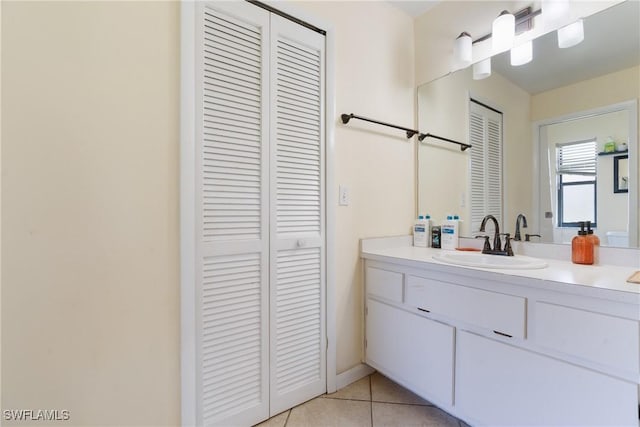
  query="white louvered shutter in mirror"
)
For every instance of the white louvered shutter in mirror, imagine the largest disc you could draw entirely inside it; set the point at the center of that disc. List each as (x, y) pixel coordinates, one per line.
(259, 204)
(485, 165)
(232, 157)
(297, 215)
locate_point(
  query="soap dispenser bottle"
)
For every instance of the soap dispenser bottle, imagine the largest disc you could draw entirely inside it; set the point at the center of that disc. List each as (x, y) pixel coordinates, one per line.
(450, 233)
(595, 240)
(582, 247)
(420, 232)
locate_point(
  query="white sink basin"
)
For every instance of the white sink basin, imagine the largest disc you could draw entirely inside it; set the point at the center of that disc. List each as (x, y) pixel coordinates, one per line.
(477, 259)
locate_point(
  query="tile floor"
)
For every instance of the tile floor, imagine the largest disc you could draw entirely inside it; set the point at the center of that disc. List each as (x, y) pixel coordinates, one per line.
(372, 401)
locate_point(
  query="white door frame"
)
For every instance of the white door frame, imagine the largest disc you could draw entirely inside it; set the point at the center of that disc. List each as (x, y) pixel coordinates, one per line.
(188, 197)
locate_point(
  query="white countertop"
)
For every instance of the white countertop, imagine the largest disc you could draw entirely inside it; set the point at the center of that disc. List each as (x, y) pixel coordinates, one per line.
(592, 278)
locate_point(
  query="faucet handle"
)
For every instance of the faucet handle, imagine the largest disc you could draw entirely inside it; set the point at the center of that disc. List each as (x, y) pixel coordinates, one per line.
(507, 244)
(527, 236)
(487, 245)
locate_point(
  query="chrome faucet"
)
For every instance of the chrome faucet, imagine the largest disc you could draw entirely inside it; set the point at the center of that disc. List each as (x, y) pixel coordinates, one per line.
(522, 218)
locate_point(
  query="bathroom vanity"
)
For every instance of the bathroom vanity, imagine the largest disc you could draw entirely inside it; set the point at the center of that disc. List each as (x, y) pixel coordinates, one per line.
(552, 346)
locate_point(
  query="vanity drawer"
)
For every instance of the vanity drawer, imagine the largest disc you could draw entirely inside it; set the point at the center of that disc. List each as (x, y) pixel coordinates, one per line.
(500, 313)
(384, 283)
(596, 337)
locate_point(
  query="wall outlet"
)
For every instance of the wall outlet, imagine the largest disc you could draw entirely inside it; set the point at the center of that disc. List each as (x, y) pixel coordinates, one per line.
(343, 197)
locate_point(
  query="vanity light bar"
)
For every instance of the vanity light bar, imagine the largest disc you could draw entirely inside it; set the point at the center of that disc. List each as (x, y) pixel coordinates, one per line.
(410, 132)
(524, 22)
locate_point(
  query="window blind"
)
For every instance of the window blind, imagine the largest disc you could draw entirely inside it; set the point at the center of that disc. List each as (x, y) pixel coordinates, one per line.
(577, 158)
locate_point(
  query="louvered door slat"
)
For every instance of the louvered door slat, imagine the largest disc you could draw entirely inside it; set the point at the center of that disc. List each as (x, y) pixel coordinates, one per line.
(297, 228)
(291, 306)
(260, 281)
(233, 169)
(485, 169)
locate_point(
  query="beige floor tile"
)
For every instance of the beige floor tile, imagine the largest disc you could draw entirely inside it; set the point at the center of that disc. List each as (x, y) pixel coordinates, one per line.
(385, 390)
(359, 390)
(388, 414)
(275, 421)
(322, 412)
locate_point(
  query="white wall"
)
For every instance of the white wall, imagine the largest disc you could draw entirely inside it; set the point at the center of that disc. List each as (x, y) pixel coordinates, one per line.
(609, 89)
(90, 112)
(90, 227)
(374, 78)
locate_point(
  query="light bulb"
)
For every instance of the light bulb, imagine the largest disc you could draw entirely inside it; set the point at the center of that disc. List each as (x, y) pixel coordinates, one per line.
(554, 12)
(571, 35)
(462, 50)
(522, 54)
(503, 32)
(482, 69)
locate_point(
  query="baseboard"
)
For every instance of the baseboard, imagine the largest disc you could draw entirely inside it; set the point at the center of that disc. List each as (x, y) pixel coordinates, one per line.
(352, 375)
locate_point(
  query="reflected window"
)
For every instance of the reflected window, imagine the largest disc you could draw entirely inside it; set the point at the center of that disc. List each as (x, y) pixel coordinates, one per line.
(576, 175)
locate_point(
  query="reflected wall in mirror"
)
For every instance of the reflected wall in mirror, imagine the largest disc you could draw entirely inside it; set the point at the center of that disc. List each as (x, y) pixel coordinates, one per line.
(577, 175)
(559, 85)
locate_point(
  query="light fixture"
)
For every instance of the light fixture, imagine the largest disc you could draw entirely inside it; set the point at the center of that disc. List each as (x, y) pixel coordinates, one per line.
(571, 35)
(522, 54)
(462, 50)
(503, 32)
(482, 69)
(554, 12)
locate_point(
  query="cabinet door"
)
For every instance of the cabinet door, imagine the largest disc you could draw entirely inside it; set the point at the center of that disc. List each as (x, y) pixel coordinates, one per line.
(498, 384)
(412, 350)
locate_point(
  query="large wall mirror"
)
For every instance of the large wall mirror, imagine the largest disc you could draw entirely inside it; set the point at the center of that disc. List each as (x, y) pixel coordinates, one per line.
(566, 101)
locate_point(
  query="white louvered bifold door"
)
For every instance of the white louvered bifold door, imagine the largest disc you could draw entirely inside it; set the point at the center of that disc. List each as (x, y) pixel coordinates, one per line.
(298, 342)
(232, 164)
(485, 137)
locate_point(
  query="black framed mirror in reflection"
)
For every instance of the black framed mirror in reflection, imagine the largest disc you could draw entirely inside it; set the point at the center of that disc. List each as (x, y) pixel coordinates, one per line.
(559, 85)
(621, 174)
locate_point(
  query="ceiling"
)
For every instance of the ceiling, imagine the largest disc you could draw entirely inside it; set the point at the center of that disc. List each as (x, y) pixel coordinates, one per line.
(611, 43)
(414, 8)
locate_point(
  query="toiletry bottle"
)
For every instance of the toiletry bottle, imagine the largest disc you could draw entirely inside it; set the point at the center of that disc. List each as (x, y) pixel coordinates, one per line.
(420, 232)
(596, 243)
(581, 248)
(427, 220)
(449, 230)
(435, 237)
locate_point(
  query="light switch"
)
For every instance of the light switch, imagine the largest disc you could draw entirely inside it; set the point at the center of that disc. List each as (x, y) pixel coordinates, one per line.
(343, 198)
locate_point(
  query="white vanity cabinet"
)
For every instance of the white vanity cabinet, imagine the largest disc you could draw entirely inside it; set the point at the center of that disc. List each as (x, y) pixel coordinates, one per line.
(499, 350)
(424, 347)
(499, 384)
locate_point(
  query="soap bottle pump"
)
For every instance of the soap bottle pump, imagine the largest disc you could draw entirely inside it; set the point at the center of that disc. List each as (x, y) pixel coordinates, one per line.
(582, 247)
(595, 240)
